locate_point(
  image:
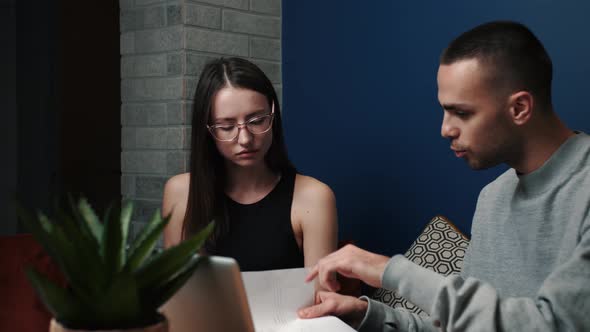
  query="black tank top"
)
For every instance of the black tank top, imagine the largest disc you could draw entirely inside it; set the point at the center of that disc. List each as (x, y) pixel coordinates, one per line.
(260, 235)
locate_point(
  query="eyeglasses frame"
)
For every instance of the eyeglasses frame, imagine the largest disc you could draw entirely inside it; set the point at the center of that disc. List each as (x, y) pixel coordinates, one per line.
(244, 124)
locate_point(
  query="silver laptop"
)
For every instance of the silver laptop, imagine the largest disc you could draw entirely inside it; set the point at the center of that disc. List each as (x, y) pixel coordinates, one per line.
(212, 300)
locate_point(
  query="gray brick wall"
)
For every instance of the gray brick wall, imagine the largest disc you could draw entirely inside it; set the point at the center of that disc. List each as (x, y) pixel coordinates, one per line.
(164, 46)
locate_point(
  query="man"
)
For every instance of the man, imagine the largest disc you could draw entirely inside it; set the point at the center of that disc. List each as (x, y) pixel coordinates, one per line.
(528, 264)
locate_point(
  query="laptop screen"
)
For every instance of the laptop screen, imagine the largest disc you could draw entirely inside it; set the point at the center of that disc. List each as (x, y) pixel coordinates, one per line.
(212, 300)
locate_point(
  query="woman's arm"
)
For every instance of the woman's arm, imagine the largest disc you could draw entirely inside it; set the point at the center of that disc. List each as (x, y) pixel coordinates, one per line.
(314, 211)
(174, 202)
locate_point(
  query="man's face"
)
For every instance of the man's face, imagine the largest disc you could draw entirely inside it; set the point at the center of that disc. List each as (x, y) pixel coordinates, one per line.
(476, 117)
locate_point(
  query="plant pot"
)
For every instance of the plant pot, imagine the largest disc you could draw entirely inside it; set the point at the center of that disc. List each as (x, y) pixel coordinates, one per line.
(162, 326)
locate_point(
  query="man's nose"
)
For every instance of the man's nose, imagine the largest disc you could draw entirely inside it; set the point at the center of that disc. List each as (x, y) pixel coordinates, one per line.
(448, 129)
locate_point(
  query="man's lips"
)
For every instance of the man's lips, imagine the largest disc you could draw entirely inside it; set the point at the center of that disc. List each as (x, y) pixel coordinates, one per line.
(459, 153)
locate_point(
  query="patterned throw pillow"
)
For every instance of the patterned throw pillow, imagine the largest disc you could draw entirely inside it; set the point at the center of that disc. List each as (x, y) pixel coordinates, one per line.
(440, 248)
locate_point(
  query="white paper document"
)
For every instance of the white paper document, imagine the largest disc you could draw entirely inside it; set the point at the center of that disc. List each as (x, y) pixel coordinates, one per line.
(275, 296)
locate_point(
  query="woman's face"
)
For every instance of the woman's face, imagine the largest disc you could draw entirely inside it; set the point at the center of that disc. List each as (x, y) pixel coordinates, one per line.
(233, 106)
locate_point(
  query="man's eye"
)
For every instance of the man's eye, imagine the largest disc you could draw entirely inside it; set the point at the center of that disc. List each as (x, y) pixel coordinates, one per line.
(461, 114)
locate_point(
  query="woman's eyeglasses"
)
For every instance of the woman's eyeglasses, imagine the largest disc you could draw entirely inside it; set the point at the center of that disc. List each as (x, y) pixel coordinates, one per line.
(228, 132)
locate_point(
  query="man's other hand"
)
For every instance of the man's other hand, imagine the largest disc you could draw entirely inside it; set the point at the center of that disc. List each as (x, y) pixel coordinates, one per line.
(349, 309)
(351, 262)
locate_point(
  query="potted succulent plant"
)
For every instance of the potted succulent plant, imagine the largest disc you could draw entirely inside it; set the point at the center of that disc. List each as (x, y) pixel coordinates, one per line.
(111, 285)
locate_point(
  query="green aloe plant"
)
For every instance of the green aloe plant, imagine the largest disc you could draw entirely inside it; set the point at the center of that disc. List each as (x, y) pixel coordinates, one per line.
(110, 284)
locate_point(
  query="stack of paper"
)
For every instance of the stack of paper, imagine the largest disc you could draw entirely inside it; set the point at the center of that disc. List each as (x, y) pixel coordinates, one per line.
(274, 298)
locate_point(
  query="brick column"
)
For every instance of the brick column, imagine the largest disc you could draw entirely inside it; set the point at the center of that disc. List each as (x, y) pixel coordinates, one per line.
(164, 45)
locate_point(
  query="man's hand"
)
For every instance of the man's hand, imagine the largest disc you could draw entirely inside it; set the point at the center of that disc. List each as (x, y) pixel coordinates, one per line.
(350, 309)
(351, 262)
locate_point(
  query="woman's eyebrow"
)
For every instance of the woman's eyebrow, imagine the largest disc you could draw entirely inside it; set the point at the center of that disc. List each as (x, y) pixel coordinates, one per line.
(256, 113)
(224, 120)
(248, 116)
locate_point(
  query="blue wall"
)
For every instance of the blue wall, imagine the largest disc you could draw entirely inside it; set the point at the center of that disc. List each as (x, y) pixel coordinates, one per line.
(361, 112)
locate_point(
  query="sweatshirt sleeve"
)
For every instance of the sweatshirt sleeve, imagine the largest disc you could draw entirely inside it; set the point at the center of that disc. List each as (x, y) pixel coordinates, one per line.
(457, 304)
(383, 318)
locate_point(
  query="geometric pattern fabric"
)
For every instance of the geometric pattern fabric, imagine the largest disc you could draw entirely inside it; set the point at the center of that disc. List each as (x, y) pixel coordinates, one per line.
(440, 248)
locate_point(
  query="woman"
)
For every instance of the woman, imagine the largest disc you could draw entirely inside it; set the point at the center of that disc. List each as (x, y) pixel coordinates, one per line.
(267, 216)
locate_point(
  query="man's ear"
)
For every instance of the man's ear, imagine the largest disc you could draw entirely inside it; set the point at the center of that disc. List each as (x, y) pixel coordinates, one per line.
(521, 107)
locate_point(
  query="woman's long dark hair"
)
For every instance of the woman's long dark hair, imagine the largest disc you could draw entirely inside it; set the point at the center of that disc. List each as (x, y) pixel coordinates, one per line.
(207, 168)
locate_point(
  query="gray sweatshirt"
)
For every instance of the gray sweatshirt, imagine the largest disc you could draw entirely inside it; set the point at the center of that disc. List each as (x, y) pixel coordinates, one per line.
(527, 267)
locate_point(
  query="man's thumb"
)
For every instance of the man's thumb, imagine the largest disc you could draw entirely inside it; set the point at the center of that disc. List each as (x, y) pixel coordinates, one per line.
(317, 310)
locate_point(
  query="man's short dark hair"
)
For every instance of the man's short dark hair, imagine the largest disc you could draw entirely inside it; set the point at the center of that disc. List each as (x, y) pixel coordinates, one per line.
(515, 57)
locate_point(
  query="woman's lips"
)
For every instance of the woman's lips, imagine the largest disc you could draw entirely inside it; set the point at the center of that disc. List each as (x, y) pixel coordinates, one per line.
(247, 154)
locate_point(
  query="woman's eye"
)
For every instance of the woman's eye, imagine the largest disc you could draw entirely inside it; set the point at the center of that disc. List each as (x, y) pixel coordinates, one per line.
(226, 128)
(256, 121)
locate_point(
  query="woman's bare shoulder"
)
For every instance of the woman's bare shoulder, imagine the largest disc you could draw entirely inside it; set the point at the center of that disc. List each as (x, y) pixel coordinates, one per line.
(176, 191)
(314, 213)
(174, 204)
(309, 188)
(178, 185)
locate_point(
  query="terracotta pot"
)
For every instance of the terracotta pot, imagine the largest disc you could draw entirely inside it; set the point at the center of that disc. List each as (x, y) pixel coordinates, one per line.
(55, 326)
